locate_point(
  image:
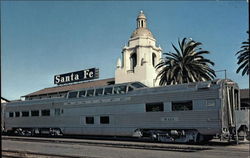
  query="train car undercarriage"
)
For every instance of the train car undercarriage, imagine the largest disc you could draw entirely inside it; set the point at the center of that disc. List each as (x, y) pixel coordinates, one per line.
(174, 135)
(158, 135)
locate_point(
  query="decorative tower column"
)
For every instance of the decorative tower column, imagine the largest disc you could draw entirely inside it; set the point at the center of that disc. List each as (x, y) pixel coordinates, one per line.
(139, 57)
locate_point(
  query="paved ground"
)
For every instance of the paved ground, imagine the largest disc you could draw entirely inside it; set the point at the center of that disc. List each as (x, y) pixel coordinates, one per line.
(125, 149)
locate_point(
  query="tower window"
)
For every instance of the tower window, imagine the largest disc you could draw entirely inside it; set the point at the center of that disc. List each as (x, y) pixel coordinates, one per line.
(133, 61)
(153, 59)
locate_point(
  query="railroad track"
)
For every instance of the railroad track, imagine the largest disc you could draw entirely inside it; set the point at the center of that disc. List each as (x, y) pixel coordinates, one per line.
(28, 154)
(129, 145)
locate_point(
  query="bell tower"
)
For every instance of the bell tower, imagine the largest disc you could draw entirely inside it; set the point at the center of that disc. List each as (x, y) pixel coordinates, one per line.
(139, 57)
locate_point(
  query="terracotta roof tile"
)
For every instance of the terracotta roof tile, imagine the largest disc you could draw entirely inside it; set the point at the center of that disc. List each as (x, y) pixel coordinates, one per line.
(65, 88)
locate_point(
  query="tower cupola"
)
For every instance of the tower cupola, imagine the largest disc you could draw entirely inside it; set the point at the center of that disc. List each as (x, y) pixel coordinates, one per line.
(141, 20)
(141, 29)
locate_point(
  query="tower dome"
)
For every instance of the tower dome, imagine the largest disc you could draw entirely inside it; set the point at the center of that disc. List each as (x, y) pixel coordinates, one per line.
(141, 32)
(141, 29)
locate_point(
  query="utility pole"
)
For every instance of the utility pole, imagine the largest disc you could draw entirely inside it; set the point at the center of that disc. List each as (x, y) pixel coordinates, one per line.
(225, 72)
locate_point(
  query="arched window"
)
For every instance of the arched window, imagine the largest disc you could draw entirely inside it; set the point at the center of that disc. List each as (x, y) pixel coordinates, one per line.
(153, 59)
(133, 61)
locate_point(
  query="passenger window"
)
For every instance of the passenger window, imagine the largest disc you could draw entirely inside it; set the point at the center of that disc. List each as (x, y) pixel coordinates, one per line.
(90, 93)
(120, 89)
(89, 120)
(130, 89)
(154, 107)
(11, 114)
(57, 112)
(98, 92)
(82, 94)
(17, 114)
(35, 113)
(46, 112)
(25, 113)
(137, 85)
(108, 91)
(210, 102)
(72, 95)
(104, 119)
(182, 106)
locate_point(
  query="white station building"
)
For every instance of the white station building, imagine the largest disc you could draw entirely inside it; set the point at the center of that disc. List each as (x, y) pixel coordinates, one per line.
(137, 63)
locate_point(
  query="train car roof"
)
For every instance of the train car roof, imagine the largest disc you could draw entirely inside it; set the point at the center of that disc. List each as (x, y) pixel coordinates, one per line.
(144, 89)
(135, 85)
(66, 88)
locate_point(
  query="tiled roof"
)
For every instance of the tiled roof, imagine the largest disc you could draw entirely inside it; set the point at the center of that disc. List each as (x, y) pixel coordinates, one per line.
(244, 93)
(66, 88)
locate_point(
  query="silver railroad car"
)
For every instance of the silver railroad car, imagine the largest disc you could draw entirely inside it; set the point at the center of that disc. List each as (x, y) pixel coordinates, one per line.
(192, 112)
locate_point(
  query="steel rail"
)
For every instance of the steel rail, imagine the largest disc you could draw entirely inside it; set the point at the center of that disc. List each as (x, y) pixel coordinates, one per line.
(27, 154)
(150, 146)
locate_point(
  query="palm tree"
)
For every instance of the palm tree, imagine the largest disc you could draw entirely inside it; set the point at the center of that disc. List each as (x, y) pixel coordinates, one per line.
(185, 65)
(243, 58)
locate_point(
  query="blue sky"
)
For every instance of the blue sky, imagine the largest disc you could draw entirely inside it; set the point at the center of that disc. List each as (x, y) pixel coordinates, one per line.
(41, 39)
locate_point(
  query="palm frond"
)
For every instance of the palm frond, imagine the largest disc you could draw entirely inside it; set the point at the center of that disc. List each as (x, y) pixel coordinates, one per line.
(186, 64)
(243, 58)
